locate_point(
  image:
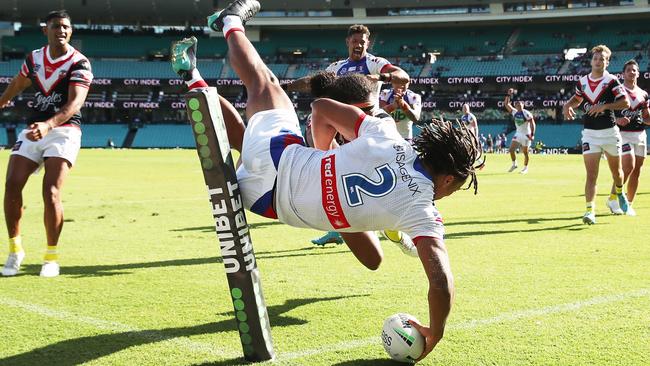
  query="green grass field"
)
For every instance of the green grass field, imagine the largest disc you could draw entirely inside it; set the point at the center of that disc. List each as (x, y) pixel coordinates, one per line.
(142, 281)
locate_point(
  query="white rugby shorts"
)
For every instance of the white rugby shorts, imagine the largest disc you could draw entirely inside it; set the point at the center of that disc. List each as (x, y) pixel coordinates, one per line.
(267, 135)
(60, 142)
(597, 141)
(522, 139)
(634, 143)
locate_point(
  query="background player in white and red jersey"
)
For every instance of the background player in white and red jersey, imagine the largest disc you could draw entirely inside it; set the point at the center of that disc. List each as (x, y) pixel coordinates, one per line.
(632, 122)
(525, 133)
(469, 119)
(600, 94)
(404, 105)
(60, 76)
(306, 187)
(359, 61)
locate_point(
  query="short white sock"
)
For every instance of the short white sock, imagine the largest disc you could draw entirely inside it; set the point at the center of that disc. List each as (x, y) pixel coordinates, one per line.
(196, 76)
(230, 23)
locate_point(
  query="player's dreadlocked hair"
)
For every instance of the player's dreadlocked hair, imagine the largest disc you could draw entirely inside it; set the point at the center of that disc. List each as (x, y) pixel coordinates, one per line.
(447, 147)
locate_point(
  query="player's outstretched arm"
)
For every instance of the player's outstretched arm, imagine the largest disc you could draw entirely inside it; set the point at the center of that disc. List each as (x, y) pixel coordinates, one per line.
(300, 85)
(17, 85)
(506, 101)
(398, 77)
(329, 117)
(433, 254)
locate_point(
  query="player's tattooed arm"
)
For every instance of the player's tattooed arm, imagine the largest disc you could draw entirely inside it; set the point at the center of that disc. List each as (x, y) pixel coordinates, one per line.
(434, 258)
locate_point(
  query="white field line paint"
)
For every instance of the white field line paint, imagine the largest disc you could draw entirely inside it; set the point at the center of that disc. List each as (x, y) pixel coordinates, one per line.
(150, 335)
(133, 202)
(471, 324)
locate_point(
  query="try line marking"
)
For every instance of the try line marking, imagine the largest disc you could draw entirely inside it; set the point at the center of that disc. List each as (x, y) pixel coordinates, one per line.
(115, 327)
(471, 324)
(285, 358)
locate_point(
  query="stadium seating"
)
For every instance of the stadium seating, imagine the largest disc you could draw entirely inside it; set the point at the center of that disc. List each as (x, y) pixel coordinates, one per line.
(164, 136)
(125, 69)
(616, 35)
(3, 136)
(97, 135)
(492, 66)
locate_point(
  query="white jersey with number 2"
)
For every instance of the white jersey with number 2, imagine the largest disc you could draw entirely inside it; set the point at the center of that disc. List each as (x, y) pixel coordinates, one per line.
(373, 182)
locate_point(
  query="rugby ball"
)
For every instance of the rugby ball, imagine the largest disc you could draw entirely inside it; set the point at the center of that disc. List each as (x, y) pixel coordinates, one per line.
(401, 340)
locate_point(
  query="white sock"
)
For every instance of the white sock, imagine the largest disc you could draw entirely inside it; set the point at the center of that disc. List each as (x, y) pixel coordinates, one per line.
(196, 78)
(231, 23)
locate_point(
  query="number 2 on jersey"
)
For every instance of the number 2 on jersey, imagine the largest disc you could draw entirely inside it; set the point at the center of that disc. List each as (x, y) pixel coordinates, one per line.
(356, 183)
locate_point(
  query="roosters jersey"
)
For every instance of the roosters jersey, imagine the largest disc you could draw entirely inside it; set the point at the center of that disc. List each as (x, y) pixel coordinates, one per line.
(404, 124)
(638, 110)
(607, 89)
(521, 120)
(51, 78)
(374, 182)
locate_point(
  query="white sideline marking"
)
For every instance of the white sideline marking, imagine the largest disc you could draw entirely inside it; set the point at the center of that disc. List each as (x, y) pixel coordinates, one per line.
(151, 335)
(471, 324)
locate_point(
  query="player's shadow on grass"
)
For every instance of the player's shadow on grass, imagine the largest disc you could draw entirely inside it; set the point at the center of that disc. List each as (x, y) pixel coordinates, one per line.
(526, 220)
(85, 349)
(128, 268)
(572, 227)
(207, 229)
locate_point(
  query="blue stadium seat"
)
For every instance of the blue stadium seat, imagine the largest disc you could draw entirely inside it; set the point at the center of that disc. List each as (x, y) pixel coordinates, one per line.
(98, 135)
(164, 136)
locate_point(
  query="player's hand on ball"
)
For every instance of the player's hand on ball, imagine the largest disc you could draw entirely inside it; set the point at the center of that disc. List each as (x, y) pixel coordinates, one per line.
(430, 339)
